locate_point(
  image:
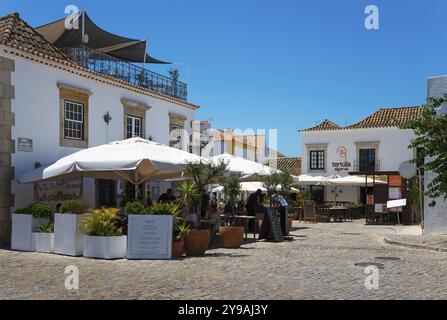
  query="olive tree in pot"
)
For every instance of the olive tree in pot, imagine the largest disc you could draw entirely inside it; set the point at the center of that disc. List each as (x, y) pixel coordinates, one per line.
(202, 174)
(231, 235)
(25, 221)
(103, 238)
(68, 237)
(149, 230)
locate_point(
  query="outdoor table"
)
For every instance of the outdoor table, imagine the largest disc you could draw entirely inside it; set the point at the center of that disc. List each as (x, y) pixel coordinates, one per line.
(338, 213)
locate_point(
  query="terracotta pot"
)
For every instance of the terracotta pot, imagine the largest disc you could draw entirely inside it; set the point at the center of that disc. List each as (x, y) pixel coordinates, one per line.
(231, 236)
(289, 225)
(196, 242)
(177, 249)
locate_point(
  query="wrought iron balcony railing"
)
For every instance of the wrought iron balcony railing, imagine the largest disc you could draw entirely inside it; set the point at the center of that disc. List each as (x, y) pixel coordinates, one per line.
(366, 166)
(102, 63)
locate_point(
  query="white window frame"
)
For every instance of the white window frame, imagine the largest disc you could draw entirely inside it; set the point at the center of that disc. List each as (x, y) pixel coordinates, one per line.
(66, 102)
(178, 142)
(133, 126)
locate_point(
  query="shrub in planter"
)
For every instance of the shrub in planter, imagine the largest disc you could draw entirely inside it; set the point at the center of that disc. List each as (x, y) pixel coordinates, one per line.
(44, 237)
(25, 221)
(179, 239)
(231, 236)
(68, 238)
(135, 207)
(149, 231)
(104, 238)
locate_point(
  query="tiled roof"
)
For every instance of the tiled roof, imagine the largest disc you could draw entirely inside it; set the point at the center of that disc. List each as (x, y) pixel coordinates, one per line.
(383, 118)
(389, 117)
(16, 33)
(324, 126)
(291, 164)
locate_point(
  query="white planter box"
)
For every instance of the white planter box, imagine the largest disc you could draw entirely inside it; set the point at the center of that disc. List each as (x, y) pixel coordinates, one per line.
(149, 237)
(23, 226)
(105, 247)
(68, 237)
(43, 242)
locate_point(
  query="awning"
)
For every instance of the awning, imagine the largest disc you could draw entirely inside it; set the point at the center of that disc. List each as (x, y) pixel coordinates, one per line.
(127, 49)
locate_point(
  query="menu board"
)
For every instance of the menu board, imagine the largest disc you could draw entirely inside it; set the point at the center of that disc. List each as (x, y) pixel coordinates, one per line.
(271, 226)
(149, 237)
(309, 210)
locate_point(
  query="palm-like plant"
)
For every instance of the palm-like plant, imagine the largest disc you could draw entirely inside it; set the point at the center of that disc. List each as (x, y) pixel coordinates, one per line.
(102, 223)
(189, 194)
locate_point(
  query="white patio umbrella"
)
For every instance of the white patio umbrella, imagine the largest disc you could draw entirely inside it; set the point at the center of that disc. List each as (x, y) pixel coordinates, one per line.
(307, 180)
(354, 181)
(135, 160)
(250, 170)
(245, 187)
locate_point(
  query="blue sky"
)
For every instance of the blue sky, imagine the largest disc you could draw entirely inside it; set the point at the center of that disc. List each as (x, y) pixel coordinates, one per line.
(283, 64)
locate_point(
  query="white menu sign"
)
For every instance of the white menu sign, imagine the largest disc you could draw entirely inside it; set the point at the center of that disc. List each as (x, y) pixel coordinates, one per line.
(149, 237)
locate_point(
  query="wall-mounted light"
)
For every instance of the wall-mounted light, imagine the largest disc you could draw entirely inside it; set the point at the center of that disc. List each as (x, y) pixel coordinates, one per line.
(107, 118)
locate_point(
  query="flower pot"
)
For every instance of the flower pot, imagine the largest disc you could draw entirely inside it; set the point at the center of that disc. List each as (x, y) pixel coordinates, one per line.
(23, 225)
(231, 236)
(177, 249)
(149, 237)
(68, 238)
(105, 247)
(43, 242)
(196, 242)
(289, 225)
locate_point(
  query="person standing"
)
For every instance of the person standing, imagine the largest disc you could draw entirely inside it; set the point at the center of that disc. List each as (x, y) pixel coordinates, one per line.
(252, 202)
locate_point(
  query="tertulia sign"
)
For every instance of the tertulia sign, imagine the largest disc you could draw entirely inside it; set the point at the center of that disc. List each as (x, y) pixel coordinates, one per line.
(342, 163)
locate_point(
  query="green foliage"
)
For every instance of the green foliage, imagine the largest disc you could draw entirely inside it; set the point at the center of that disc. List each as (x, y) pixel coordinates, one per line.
(170, 209)
(40, 210)
(47, 227)
(304, 195)
(22, 210)
(189, 194)
(431, 132)
(102, 223)
(135, 207)
(285, 182)
(180, 231)
(231, 187)
(73, 207)
(204, 173)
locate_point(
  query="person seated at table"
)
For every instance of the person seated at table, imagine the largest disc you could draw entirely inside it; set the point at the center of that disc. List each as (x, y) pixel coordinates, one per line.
(240, 209)
(166, 197)
(228, 209)
(213, 217)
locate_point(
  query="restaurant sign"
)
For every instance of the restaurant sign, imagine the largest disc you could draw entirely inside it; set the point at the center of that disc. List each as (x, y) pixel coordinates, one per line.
(342, 163)
(58, 190)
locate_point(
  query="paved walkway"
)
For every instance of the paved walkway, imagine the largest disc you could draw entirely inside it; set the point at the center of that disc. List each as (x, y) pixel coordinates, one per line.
(324, 261)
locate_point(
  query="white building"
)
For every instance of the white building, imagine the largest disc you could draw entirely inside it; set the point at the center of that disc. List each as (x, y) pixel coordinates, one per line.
(51, 107)
(375, 146)
(435, 218)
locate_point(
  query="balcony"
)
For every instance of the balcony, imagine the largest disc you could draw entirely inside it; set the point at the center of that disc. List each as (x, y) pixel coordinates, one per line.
(97, 61)
(366, 166)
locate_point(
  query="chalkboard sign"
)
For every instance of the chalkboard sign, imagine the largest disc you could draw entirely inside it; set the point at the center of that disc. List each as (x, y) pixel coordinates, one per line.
(271, 226)
(309, 210)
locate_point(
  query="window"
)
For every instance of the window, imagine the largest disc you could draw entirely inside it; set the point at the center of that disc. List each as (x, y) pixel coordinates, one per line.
(133, 127)
(317, 160)
(73, 120)
(175, 135)
(367, 160)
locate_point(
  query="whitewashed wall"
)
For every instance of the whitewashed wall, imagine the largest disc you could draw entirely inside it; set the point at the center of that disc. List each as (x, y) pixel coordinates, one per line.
(435, 218)
(36, 108)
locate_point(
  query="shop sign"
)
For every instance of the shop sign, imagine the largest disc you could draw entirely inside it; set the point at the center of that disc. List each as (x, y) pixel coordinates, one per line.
(342, 163)
(58, 190)
(25, 144)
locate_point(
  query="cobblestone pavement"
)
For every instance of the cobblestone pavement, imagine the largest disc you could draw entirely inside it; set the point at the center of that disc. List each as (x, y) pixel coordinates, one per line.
(419, 241)
(320, 263)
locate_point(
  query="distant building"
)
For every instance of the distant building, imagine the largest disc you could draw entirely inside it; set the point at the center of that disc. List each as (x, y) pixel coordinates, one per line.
(289, 164)
(374, 147)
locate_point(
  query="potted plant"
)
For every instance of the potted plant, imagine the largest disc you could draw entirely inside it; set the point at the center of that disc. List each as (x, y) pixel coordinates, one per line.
(202, 174)
(68, 237)
(25, 221)
(44, 237)
(103, 238)
(231, 235)
(149, 230)
(178, 246)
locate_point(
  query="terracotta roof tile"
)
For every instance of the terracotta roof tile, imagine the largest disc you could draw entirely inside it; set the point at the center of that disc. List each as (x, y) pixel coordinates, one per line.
(16, 33)
(291, 164)
(324, 126)
(383, 118)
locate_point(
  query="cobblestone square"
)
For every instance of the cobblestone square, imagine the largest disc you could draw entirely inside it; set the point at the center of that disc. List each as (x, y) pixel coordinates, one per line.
(324, 261)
